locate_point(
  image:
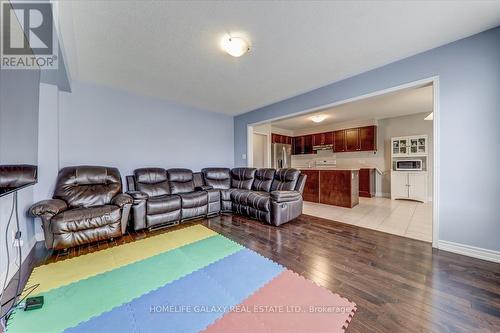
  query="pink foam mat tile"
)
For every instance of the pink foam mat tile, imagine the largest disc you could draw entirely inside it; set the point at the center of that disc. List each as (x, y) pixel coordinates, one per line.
(289, 303)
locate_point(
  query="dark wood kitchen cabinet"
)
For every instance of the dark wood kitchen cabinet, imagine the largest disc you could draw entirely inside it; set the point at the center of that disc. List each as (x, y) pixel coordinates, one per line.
(339, 141)
(345, 140)
(368, 138)
(352, 139)
(302, 145)
(367, 183)
(320, 139)
(311, 188)
(275, 138)
(339, 187)
(355, 139)
(279, 138)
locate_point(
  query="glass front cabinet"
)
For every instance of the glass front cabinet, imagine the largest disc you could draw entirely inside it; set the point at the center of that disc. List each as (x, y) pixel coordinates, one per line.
(410, 146)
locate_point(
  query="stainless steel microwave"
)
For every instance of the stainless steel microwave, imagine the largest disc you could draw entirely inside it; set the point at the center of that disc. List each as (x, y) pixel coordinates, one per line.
(409, 165)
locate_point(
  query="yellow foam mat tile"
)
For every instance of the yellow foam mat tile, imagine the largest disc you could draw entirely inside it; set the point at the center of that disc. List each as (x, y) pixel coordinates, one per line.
(64, 272)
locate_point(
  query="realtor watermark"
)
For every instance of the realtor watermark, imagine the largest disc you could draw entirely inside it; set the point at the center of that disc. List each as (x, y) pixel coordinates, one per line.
(28, 35)
(249, 309)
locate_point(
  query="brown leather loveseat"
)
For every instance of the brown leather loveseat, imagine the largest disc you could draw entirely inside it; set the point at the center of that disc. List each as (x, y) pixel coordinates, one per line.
(88, 205)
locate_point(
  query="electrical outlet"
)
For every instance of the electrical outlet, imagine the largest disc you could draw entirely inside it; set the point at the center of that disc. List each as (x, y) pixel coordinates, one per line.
(17, 241)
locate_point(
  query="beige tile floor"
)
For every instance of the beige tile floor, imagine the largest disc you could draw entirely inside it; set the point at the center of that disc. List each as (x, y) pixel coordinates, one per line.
(399, 217)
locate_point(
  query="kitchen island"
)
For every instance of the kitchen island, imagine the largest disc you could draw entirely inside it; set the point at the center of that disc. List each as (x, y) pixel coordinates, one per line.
(332, 186)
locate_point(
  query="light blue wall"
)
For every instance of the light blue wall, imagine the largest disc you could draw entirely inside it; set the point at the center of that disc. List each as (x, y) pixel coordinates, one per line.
(469, 74)
(19, 96)
(105, 126)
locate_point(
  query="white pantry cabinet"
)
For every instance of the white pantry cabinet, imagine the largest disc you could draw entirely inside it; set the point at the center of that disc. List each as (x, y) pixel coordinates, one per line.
(409, 185)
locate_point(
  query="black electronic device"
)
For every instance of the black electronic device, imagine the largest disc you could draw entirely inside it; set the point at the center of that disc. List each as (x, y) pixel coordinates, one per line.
(33, 303)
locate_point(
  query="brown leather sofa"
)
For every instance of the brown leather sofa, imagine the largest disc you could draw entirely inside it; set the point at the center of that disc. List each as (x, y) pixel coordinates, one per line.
(88, 205)
(165, 197)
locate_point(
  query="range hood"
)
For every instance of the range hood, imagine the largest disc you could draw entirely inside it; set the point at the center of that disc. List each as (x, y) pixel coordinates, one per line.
(323, 147)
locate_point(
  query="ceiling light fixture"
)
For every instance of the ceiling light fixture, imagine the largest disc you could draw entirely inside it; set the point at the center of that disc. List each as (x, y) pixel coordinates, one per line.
(235, 46)
(430, 116)
(318, 118)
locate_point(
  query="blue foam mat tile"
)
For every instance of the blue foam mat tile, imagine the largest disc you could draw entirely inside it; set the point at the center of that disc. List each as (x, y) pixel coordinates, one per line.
(189, 304)
(242, 273)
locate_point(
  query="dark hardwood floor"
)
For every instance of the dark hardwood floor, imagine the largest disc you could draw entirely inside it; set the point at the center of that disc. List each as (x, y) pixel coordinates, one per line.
(398, 284)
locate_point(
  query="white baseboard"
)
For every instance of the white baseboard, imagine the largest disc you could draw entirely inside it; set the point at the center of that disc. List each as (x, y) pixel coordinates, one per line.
(470, 251)
(382, 195)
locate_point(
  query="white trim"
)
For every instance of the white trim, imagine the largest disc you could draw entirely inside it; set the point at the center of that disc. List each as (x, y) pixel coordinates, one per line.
(470, 251)
(435, 167)
(249, 145)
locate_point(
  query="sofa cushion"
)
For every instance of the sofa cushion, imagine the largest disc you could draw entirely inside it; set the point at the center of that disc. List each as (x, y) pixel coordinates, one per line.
(263, 180)
(152, 181)
(226, 194)
(163, 204)
(85, 218)
(253, 199)
(242, 178)
(285, 180)
(87, 186)
(180, 180)
(218, 178)
(194, 199)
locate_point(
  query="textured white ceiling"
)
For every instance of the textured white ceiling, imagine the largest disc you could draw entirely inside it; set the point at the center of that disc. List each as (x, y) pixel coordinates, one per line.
(400, 103)
(171, 49)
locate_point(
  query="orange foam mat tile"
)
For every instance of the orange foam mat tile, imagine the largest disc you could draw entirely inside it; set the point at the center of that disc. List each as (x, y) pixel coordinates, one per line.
(289, 303)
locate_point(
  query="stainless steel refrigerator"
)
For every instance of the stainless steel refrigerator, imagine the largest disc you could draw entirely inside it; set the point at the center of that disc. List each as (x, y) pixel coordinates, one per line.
(281, 155)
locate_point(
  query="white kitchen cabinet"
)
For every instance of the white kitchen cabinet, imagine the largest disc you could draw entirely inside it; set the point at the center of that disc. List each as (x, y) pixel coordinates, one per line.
(404, 146)
(399, 185)
(417, 186)
(409, 185)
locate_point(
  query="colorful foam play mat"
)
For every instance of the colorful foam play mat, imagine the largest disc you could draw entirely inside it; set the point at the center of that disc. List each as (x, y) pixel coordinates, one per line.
(188, 280)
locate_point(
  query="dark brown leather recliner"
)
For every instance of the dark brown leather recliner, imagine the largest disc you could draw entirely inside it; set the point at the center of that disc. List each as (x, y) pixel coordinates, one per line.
(271, 196)
(194, 203)
(88, 206)
(275, 196)
(153, 203)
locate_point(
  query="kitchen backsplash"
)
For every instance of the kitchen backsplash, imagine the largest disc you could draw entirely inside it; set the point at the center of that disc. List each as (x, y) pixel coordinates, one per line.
(340, 160)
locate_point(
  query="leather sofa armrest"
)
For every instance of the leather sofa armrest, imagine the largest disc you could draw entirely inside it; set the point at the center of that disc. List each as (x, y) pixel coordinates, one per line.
(285, 196)
(203, 188)
(122, 199)
(51, 207)
(138, 195)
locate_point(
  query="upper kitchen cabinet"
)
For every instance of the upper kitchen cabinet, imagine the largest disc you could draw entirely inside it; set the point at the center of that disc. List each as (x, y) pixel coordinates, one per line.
(352, 139)
(368, 138)
(302, 145)
(410, 146)
(345, 140)
(275, 138)
(355, 139)
(321, 139)
(339, 141)
(279, 138)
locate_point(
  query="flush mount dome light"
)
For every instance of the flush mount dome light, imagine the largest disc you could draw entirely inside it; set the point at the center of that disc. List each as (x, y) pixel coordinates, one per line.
(235, 46)
(318, 118)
